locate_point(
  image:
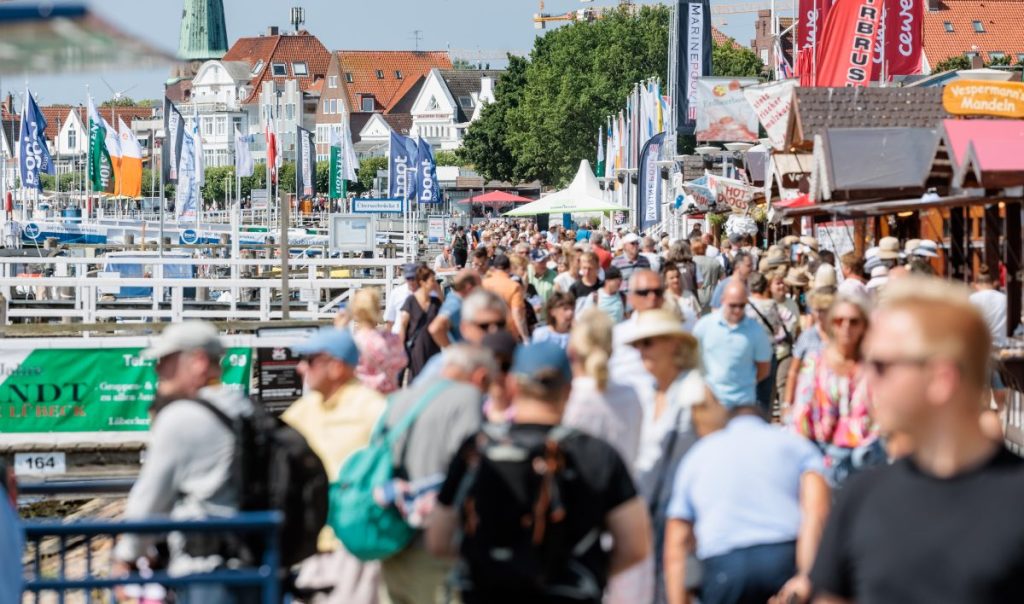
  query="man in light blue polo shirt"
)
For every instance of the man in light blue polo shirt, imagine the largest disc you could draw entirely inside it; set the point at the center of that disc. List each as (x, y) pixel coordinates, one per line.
(736, 351)
(755, 498)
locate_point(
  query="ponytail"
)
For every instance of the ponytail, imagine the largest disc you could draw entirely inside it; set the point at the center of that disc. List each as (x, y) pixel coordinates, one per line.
(596, 367)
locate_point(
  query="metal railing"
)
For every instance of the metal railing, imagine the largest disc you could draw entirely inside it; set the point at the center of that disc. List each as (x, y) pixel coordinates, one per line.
(76, 292)
(50, 543)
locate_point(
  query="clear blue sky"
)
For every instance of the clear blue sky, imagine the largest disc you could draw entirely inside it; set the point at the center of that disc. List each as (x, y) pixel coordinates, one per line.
(340, 24)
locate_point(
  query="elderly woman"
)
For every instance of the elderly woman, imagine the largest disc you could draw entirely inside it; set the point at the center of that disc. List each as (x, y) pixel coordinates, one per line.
(678, 409)
(831, 406)
(381, 355)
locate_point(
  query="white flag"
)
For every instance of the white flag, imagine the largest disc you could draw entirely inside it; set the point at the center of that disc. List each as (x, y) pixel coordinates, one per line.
(243, 155)
(200, 174)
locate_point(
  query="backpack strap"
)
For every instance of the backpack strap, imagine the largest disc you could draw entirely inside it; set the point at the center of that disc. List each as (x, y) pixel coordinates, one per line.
(222, 417)
(403, 424)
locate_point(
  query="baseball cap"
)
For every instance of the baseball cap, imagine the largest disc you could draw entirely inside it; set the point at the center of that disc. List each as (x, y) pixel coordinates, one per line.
(184, 337)
(543, 362)
(409, 270)
(630, 238)
(539, 255)
(502, 345)
(336, 342)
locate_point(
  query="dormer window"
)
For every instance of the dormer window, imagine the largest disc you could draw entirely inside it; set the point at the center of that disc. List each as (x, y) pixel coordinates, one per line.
(299, 69)
(979, 27)
(258, 67)
(366, 102)
(348, 77)
(279, 69)
(398, 74)
(380, 74)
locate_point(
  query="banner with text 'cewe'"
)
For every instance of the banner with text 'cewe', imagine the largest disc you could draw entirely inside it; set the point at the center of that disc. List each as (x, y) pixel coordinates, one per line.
(88, 390)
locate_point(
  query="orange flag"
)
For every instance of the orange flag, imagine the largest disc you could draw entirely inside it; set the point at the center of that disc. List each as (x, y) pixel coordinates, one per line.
(847, 44)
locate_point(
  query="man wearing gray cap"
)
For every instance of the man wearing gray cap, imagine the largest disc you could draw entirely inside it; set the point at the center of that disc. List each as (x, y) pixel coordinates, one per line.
(188, 470)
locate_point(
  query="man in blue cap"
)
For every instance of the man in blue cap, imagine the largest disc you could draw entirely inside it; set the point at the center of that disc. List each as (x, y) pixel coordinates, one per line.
(534, 487)
(336, 416)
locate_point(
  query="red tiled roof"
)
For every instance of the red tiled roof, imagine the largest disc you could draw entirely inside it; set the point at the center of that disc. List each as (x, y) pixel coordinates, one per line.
(1003, 21)
(387, 91)
(718, 37)
(290, 48)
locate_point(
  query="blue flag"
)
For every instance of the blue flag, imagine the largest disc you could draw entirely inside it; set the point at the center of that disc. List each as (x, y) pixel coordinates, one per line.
(402, 167)
(35, 156)
(428, 188)
(648, 211)
(187, 194)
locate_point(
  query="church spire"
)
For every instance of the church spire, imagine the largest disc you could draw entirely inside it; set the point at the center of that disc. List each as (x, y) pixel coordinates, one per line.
(203, 31)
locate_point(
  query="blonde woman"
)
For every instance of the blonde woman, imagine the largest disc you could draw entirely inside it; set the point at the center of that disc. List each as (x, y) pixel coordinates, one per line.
(381, 354)
(610, 411)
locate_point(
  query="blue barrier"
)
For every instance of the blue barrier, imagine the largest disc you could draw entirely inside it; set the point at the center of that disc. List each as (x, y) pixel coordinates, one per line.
(77, 487)
(265, 576)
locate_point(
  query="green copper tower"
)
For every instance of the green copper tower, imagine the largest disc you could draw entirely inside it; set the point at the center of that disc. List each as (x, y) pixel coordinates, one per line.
(204, 33)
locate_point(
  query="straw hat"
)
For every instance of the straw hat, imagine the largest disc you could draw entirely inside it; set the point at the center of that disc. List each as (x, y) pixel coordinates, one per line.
(797, 277)
(789, 241)
(825, 276)
(810, 242)
(910, 246)
(775, 258)
(889, 248)
(658, 323)
(926, 248)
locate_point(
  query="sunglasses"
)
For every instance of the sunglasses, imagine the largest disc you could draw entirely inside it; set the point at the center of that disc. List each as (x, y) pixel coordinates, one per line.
(851, 321)
(644, 343)
(491, 326)
(643, 293)
(881, 366)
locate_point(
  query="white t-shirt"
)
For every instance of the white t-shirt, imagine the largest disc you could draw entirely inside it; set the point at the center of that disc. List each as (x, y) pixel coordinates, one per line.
(992, 305)
(441, 263)
(398, 298)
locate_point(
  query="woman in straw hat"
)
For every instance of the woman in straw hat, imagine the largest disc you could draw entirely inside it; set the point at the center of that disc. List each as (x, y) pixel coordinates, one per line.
(831, 405)
(611, 411)
(679, 408)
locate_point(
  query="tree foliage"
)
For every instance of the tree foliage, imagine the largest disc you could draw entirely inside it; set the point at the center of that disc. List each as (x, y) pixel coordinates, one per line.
(548, 108)
(125, 101)
(734, 61)
(444, 157)
(954, 63)
(368, 167)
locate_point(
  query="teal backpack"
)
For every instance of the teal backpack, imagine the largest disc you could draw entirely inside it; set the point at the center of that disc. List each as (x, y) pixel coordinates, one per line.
(369, 531)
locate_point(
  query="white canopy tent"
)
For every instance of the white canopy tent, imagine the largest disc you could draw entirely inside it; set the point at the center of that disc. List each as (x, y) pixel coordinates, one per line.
(582, 196)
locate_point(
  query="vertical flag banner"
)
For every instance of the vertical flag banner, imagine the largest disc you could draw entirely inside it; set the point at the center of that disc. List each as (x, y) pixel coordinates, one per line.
(305, 164)
(694, 59)
(649, 183)
(338, 184)
(187, 193)
(429, 190)
(600, 152)
(351, 163)
(903, 27)
(243, 155)
(811, 18)
(170, 153)
(723, 113)
(33, 154)
(200, 161)
(402, 167)
(273, 151)
(131, 162)
(847, 44)
(101, 170)
(113, 142)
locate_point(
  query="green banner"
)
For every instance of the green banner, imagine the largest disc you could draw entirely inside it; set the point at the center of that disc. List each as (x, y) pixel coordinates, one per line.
(339, 186)
(89, 390)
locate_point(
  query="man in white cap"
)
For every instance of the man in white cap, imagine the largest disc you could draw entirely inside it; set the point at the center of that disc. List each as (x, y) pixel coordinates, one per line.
(631, 259)
(189, 459)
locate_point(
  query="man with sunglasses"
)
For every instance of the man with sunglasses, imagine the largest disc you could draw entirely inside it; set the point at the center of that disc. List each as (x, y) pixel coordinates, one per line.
(737, 352)
(942, 524)
(647, 292)
(483, 312)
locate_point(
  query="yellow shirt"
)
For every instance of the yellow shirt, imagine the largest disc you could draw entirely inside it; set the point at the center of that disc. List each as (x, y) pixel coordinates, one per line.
(335, 428)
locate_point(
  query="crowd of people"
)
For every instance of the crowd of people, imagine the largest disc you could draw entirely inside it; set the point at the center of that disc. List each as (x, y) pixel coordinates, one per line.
(599, 416)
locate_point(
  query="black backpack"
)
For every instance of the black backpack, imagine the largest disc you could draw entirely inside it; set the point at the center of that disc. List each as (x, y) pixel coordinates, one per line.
(510, 544)
(277, 470)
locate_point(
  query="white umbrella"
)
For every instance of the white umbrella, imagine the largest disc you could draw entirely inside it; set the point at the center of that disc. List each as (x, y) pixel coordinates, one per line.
(583, 195)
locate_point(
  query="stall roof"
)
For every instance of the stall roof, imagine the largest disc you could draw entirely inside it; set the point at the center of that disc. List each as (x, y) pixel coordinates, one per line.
(886, 160)
(817, 109)
(986, 152)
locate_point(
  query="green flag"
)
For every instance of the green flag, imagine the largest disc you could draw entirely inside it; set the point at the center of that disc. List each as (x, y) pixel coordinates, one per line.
(101, 169)
(339, 186)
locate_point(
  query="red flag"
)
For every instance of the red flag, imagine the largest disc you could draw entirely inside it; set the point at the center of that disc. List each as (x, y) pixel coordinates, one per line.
(805, 66)
(903, 36)
(811, 18)
(272, 150)
(847, 43)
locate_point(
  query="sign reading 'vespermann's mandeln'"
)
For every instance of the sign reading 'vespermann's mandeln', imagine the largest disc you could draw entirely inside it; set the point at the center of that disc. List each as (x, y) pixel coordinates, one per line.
(88, 390)
(982, 97)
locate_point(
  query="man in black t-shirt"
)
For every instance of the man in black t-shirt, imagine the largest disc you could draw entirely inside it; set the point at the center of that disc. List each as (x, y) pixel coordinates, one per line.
(594, 493)
(943, 524)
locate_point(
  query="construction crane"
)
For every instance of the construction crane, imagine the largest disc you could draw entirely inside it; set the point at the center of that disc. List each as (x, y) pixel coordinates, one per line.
(541, 19)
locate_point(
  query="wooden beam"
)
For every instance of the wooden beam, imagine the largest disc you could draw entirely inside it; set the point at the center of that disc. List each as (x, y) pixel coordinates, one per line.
(958, 253)
(1013, 267)
(993, 225)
